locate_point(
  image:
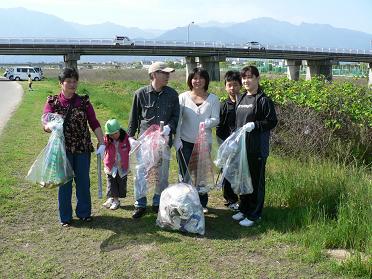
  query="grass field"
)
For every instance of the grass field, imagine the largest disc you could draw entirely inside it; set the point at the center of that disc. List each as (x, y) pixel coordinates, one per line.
(311, 207)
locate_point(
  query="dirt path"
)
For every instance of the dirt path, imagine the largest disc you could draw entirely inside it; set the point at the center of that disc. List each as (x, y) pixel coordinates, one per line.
(10, 96)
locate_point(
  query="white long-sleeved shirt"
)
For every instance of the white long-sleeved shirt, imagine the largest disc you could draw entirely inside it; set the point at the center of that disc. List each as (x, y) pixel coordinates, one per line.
(191, 115)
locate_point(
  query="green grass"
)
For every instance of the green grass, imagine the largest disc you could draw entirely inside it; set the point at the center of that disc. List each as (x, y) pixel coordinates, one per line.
(310, 206)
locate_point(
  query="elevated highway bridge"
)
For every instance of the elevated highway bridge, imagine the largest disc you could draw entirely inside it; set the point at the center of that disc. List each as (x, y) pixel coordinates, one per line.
(319, 61)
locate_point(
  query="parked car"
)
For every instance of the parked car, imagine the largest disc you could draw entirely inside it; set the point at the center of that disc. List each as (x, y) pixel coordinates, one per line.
(254, 45)
(22, 72)
(122, 41)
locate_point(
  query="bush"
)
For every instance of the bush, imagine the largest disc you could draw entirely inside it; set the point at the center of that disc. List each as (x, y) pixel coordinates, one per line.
(319, 118)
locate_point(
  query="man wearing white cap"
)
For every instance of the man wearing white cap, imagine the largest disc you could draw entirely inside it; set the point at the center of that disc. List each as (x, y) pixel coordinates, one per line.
(152, 104)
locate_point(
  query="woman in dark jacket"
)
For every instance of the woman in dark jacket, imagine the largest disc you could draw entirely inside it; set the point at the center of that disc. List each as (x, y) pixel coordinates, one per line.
(255, 112)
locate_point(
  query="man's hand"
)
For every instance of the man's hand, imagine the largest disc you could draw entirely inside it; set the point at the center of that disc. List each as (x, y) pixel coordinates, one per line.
(133, 142)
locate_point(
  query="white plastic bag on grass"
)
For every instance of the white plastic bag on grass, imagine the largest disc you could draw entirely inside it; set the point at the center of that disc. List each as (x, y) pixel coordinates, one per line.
(180, 209)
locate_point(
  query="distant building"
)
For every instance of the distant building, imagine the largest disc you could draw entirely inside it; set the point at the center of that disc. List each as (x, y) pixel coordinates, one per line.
(146, 64)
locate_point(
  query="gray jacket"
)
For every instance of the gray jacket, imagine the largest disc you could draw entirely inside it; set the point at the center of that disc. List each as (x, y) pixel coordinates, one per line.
(150, 107)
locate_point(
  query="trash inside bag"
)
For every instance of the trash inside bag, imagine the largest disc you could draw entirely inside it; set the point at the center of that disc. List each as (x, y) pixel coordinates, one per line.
(150, 159)
(51, 167)
(200, 166)
(180, 209)
(232, 157)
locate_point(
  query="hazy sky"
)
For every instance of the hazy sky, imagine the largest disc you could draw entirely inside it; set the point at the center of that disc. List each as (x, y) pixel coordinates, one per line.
(167, 14)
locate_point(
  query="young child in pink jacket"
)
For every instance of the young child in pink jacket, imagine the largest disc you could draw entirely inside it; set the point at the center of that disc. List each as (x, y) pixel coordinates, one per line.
(116, 162)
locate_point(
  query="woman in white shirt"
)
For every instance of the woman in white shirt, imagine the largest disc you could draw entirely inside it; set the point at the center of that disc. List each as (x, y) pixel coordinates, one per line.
(196, 106)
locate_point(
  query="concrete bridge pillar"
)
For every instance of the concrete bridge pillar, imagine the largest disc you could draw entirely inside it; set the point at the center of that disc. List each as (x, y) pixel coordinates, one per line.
(212, 65)
(319, 67)
(71, 59)
(191, 63)
(293, 69)
(370, 75)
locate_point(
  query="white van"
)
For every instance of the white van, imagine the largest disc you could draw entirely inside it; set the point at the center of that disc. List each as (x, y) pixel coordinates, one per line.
(22, 72)
(39, 70)
(122, 40)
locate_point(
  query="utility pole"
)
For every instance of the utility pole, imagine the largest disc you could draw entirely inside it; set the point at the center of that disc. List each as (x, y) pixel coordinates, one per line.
(188, 31)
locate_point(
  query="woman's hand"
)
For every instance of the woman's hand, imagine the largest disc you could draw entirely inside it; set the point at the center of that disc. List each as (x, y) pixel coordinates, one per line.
(101, 150)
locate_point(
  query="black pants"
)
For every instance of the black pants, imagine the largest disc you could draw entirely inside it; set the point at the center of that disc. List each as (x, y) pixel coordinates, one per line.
(228, 193)
(116, 186)
(251, 205)
(183, 157)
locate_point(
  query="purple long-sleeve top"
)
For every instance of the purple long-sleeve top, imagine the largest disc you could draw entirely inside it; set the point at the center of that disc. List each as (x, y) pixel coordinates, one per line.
(91, 115)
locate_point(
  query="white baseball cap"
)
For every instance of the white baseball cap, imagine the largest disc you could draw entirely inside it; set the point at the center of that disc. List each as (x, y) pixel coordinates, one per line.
(160, 66)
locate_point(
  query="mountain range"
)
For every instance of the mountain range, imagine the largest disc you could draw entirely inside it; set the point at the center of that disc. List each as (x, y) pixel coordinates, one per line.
(263, 30)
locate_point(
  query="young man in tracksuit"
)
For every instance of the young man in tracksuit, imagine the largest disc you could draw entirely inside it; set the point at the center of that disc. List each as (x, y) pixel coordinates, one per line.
(255, 112)
(233, 84)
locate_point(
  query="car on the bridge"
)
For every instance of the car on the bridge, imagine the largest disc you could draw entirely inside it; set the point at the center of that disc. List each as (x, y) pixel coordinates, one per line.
(122, 41)
(254, 45)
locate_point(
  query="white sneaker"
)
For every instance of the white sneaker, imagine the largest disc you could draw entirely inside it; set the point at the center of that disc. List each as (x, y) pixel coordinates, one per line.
(205, 210)
(115, 205)
(238, 216)
(108, 203)
(246, 223)
(234, 206)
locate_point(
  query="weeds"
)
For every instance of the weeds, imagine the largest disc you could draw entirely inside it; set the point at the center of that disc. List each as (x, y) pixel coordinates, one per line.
(311, 205)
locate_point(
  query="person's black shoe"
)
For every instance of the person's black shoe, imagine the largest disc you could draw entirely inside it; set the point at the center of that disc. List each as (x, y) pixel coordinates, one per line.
(139, 212)
(155, 208)
(86, 219)
(66, 224)
(227, 204)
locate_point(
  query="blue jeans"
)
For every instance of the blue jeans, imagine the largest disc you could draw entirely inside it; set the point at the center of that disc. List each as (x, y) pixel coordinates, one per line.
(141, 186)
(81, 166)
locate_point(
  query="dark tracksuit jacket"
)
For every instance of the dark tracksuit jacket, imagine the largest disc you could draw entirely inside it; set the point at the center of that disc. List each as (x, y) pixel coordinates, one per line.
(224, 129)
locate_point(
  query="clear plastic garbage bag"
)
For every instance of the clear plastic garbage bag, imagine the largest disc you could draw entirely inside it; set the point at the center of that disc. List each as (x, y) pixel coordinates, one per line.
(51, 167)
(232, 157)
(150, 160)
(200, 166)
(180, 209)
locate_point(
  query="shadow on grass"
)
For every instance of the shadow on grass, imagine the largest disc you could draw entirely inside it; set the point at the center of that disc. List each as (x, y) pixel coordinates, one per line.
(127, 231)
(219, 225)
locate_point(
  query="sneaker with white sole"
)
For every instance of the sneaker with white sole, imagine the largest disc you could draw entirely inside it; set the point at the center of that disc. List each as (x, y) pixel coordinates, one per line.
(115, 205)
(246, 223)
(234, 206)
(238, 216)
(205, 210)
(108, 203)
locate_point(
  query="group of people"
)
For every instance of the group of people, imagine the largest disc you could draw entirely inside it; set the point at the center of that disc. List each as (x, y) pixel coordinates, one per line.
(182, 115)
